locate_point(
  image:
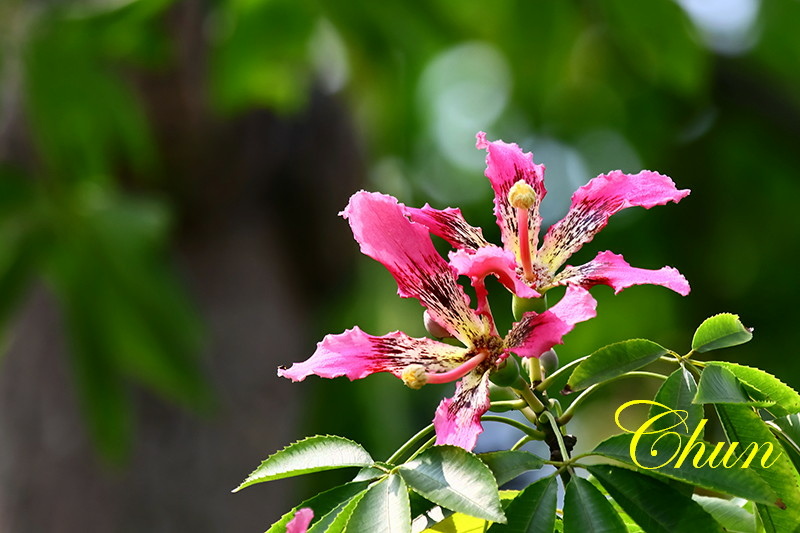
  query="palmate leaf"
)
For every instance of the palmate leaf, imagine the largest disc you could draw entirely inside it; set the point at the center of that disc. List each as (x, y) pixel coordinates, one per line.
(720, 385)
(456, 479)
(507, 465)
(720, 331)
(612, 361)
(670, 512)
(533, 510)
(461, 523)
(313, 454)
(730, 514)
(677, 392)
(786, 400)
(742, 482)
(384, 508)
(743, 425)
(323, 504)
(587, 509)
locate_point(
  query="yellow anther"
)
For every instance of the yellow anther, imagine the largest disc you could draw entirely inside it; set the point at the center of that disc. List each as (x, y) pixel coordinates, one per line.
(414, 376)
(521, 195)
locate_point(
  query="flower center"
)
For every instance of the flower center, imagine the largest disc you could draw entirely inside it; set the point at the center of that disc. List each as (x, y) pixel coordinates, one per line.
(522, 197)
(415, 376)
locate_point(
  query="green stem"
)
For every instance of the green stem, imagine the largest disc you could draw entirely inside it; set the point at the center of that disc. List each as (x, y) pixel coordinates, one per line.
(534, 371)
(557, 433)
(530, 398)
(409, 444)
(555, 375)
(529, 431)
(520, 443)
(570, 411)
(422, 448)
(507, 405)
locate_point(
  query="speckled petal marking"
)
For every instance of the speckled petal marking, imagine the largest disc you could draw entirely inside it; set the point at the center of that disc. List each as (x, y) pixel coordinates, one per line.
(449, 224)
(405, 248)
(506, 164)
(356, 354)
(537, 333)
(611, 269)
(595, 202)
(458, 419)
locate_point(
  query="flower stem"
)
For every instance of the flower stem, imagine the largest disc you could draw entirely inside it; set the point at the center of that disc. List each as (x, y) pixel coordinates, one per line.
(430, 442)
(555, 375)
(530, 398)
(533, 434)
(409, 444)
(570, 411)
(507, 405)
(534, 371)
(520, 443)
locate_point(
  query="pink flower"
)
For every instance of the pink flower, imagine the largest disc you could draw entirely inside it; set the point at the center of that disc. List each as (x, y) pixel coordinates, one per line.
(301, 520)
(385, 233)
(526, 268)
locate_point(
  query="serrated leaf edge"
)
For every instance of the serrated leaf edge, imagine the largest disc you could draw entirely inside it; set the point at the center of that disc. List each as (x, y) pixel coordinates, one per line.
(248, 481)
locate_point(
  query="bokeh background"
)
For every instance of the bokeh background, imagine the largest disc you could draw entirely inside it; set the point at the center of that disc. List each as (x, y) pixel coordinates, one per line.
(170, 178)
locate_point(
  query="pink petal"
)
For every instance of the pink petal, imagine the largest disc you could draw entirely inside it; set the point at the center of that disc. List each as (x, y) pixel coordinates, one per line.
(449, 224)
(406, 250)
(506, 164)
(535, 334)
(595, 202)
(302, 519)
(458, 419)
(494, 260)
(356, 354)
(611, 269)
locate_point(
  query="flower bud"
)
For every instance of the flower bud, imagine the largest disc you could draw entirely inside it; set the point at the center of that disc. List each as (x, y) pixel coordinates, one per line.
(433, 327)
(520, 306)
(549, 361)
(507, 373)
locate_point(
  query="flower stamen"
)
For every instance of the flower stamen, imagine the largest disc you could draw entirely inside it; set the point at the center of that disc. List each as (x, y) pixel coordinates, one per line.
(521, 196)
(415, 377)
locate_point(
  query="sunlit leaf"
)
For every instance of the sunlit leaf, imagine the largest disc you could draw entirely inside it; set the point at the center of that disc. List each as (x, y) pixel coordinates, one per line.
(312, 454)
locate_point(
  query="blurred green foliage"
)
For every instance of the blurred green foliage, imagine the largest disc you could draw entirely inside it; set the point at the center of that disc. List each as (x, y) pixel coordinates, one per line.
(588, 86)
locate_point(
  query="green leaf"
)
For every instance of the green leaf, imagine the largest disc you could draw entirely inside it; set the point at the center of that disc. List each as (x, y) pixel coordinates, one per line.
(729, 513)
(313, 454)
(336, 520)
(586, 509)
(458, 522)
(743, 425)
(454, 478)
(383, 509)
(677, 392)
(670, 511)
(786, 399)
(612, 361)
(322, 504)
(720, 331)
(533, 510)
(719, 385)
(506, 465)
(742, 482)
(790, 436)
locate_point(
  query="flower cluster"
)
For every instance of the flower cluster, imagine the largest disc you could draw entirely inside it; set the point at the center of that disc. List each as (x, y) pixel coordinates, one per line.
(399, 237)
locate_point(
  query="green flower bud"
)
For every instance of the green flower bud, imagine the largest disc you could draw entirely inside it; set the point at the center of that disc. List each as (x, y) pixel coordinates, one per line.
(520, 306)
(507, 373)
(549, 361)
